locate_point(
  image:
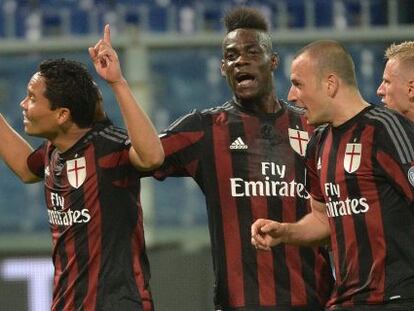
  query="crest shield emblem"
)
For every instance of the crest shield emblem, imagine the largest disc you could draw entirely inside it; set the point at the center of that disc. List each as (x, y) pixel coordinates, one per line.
(298, 140)
(76, 171)
(352, 158)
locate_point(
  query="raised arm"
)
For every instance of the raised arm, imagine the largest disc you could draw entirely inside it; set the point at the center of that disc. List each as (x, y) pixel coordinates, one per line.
(312, 229)
(146, 152)
(14, 151)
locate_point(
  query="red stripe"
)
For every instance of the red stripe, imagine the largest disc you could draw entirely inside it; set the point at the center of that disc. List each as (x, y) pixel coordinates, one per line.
(71, 269)
(230, 221)
(178, 141)
(265, 268)
(58, 273)
(374, 224)
(113, 159)
(94, 230)
(138, 247)
(292, 253)
(350, 239)
(293, 262)
(323, 273)
(323, 179)
(395, 173)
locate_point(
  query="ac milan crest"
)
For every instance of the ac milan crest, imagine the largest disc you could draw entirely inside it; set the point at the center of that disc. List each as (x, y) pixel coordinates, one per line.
(76, 171)
(298, 140)
(352, 158)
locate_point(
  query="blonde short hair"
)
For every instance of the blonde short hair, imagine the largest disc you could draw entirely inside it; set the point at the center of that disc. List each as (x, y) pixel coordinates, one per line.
(402, 52)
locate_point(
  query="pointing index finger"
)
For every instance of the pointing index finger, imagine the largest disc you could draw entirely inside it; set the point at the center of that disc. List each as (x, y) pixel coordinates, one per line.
(107, 34)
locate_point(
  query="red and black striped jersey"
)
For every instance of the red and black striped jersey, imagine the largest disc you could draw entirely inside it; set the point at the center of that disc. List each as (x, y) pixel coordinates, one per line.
(363, 171)
(93, 202)
(250, 165)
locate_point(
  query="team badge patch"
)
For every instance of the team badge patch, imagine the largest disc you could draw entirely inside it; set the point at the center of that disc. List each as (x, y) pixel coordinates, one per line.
(352, 159)
(411, 175)
(298, 140)
(76, 171)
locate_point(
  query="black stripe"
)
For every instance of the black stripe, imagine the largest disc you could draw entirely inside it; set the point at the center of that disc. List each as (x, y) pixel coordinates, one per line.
(209, 184)
(81, 251)
(240, 163)
(365, 260)
(119, 215)
(62, 285)
(307, 254)
(331, 174)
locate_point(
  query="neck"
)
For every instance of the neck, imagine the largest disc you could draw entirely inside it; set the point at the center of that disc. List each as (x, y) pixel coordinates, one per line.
(347, 108)
(266, 104)
(66, 139)
(409, 114)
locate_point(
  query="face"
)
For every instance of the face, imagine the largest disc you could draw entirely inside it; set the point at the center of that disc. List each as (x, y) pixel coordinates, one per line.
(394, 88)
(248, 65)
(38, 118)
(307, 91)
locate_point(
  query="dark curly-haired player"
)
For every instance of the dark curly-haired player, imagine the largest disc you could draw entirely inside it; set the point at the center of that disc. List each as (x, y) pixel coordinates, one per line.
(247, 157)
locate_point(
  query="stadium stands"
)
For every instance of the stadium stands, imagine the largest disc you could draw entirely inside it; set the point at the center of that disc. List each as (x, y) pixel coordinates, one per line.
(44, 18)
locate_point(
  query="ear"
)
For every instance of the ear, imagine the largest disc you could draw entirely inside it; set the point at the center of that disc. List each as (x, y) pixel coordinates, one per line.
(332, 83)
(63, 115)
(275, 60)
(411, 90)
(222, 71)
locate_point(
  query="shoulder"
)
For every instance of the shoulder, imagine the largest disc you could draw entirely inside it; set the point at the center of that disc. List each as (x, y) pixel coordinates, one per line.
(393, 132)
(196, 118)
(387, 118)
(317, 137)
(108, 135)
(390, 122)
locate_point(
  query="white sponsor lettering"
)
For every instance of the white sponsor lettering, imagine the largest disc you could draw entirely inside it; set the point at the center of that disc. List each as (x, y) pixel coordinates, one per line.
(59, 216)
(244, 188)
(336, 207)
(271, 168)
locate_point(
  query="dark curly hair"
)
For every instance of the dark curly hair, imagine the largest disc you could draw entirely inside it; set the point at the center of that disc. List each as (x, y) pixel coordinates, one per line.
(245, 17)
(70, 85)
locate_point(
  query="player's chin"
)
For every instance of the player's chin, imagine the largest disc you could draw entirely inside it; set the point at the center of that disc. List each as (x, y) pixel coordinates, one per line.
(29, 130)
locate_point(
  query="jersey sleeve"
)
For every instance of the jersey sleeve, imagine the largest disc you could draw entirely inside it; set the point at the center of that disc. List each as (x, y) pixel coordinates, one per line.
(36, 161)
(182, 143)
(312, 183)
(395, 152)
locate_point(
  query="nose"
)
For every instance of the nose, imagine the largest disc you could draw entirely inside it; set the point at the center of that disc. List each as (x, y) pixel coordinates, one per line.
(292, 95)
(242, 59)
(380, 90)
(23, 103)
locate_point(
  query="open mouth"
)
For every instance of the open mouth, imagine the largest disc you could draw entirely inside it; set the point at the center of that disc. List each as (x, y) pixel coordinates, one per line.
(245, 79)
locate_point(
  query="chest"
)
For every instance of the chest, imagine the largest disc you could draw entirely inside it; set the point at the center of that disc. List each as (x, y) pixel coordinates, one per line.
(260, 149)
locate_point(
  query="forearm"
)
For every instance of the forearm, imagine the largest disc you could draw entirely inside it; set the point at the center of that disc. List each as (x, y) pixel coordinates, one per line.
(309, 231)
(14, 151)
(144, 138)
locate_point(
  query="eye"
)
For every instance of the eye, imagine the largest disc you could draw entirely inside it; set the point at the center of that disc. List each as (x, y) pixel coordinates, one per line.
(253, 51)
(230, 56)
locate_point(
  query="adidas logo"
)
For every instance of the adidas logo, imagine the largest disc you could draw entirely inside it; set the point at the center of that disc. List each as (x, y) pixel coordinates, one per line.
(238, 144)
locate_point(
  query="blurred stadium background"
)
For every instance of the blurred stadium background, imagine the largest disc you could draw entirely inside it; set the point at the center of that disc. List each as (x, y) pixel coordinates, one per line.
(170, 51)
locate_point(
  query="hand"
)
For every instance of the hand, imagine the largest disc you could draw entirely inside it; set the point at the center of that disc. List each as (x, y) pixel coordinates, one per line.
(105, 59)
(266, 233)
